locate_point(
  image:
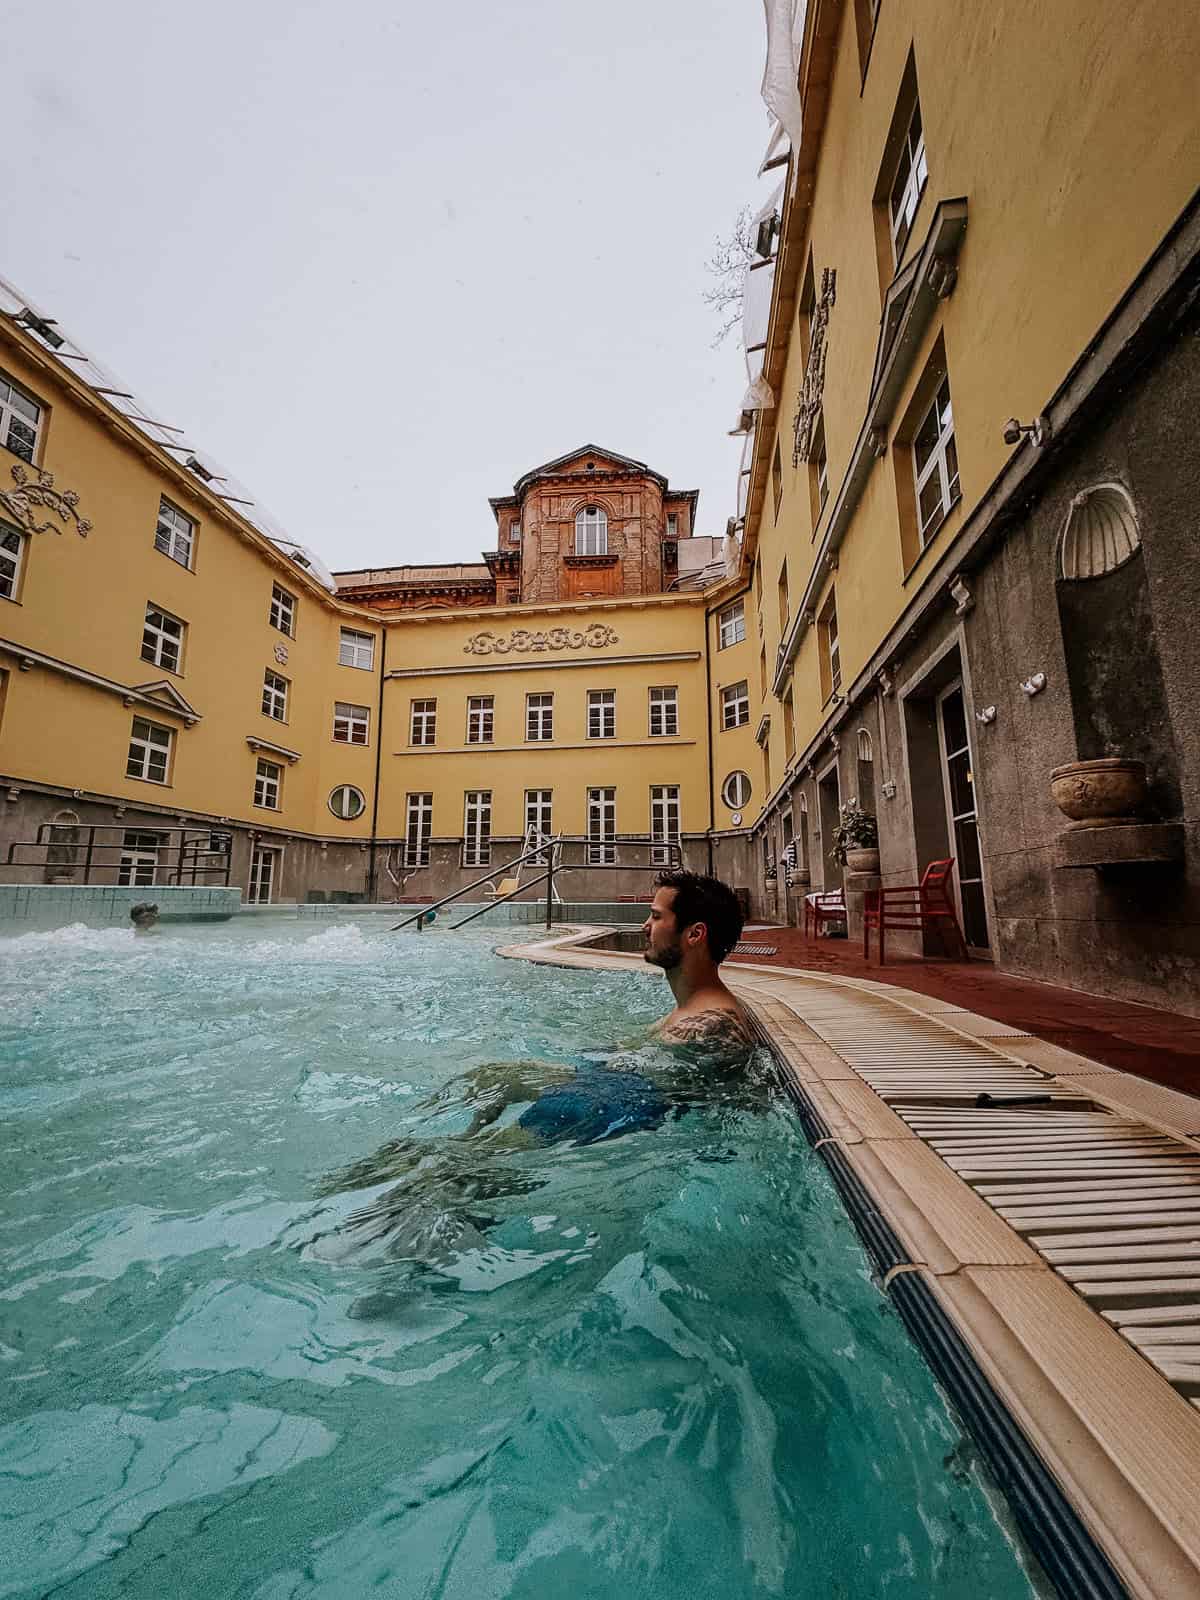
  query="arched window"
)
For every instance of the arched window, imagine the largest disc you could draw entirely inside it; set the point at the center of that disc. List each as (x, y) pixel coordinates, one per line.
(591, 532)
(866, 771)
(864, 746)
(803, 861)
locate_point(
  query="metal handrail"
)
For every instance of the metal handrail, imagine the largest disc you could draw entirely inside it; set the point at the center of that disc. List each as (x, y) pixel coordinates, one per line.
(492, 872)
(502, 899)
(82, 849)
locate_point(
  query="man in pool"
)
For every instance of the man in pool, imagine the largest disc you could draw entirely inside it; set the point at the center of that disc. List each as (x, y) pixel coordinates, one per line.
(694, 923)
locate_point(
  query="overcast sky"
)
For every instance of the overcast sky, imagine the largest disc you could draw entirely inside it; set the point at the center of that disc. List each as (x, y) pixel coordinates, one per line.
(380, 259)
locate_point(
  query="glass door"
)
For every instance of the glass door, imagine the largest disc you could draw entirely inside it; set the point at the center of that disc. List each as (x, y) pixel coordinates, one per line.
(262, 875)
(962, 816)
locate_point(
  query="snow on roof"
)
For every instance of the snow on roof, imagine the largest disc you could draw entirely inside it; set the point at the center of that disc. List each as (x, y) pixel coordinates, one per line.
(102, 381)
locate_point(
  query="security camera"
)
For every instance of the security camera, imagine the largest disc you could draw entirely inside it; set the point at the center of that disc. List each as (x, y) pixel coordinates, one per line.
(1012, 431)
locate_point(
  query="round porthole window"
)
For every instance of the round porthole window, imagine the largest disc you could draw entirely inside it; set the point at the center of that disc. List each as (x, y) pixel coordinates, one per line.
(735, 791)
(347, 802)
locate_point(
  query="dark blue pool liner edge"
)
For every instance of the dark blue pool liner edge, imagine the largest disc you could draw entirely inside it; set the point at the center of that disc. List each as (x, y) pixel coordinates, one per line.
(1055, 1533)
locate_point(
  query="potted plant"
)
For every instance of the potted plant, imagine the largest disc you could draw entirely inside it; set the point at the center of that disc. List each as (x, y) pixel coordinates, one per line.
(856, 839)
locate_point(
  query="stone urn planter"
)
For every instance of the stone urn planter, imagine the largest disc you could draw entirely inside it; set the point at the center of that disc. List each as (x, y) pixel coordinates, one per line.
(1097, 794)
(800, 878)
(862, 860)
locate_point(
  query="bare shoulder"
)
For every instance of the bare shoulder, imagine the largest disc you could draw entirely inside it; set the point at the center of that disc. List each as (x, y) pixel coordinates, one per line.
(721, 1026)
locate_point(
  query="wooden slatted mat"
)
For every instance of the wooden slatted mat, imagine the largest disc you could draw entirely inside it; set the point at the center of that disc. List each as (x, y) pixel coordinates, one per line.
(1110, 1201)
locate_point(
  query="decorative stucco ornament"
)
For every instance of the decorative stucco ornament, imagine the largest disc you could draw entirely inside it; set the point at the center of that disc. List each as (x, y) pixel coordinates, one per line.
(1100, 534)
(812, 387)
(281, 654)
(22, 503)
(523, 641)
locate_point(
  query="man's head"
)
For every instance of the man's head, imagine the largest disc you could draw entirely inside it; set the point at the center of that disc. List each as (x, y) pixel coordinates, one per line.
(143, 915)
(691, 915)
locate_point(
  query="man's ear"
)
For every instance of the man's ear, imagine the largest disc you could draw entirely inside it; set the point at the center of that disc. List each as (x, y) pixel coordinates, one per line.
(697, 931)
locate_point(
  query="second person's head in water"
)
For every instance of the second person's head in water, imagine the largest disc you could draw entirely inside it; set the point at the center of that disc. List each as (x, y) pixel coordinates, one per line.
(693, 921)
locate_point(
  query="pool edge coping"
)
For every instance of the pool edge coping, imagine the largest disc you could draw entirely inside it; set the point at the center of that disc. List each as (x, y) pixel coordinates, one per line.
(1003, 1319)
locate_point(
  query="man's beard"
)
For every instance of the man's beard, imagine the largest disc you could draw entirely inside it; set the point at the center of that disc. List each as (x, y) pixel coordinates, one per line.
(667, 958)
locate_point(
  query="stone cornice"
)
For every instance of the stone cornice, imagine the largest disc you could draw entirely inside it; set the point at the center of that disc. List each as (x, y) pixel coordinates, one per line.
(159, 696)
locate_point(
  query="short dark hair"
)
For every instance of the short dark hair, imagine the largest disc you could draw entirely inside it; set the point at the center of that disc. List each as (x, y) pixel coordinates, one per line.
(702, 899)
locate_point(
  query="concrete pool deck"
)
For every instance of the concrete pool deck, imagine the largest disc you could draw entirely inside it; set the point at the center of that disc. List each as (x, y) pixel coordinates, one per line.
(1062, 1239)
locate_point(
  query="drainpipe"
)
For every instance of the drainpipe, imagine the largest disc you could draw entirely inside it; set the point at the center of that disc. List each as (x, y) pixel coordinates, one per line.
(378, 759)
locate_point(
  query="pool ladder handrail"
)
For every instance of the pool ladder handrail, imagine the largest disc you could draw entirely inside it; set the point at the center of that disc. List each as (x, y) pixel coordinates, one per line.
(555, 845)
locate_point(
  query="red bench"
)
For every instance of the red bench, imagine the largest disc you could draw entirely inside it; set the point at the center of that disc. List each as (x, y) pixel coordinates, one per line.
(822, 908)
(927, 904)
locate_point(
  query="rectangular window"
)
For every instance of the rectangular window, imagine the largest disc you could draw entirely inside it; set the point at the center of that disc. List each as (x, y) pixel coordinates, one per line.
(601, 827)
(418, 827)
(762, 673)
(162, 639)
(908, 185)
(735, 705)
(602, 714)
(12, 549)
(539, 717)
(672, 525)
(149, 751)
(477, 828)
(356, 649)
(514, 533)
(174, 534)
(20, 420)
(538, 821)
(789, 729)
(274, 696)
(777, 479)
(423, 722)
(818, 468)
(481, 710)
(664, 824)
(351, 724)
(935, 462)
(139, 858)
(283, 611)
(782, 594)
(731, 625)
(664, 713)
(830, 651)
(268, 781)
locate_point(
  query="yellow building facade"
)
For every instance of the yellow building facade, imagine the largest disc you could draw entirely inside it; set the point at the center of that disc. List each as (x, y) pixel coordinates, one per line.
(168, 670)
(984, 214)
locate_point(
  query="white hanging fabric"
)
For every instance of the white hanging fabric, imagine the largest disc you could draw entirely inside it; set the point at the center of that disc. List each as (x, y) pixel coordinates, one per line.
(780, 90)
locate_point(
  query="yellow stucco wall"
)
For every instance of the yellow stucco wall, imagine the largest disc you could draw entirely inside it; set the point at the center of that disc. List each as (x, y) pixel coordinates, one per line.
(1071, 132)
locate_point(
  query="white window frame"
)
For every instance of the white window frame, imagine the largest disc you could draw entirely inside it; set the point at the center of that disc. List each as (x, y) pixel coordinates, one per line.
(162, 639)
(149, 751)
(602, 714)
(833, 645)
(351, 723)
(735, 705)
(138, 866)
(602, 827)
(539, 718)
(821, 463)
(591, 531)
(356, 649)
(283, 610)
(268, 785)
(15, 405)
(12, 558)
(422, 723)
(275, 696)
(908, 184)
(264, 859)
(418, 827)
(664, 711)
(672, 525)
(481, 718)
(477, 828)
(664, 822)
(175, 534)
(342, 791)
(539, 815)
(736, 791)
(731, 625)
(937, 462)
(514, 533)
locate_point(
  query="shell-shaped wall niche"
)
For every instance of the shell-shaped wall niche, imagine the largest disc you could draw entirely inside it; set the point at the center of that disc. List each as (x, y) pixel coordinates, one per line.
(1100, 534)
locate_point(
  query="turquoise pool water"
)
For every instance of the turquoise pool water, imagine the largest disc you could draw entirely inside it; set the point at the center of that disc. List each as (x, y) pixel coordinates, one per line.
(652, 1366)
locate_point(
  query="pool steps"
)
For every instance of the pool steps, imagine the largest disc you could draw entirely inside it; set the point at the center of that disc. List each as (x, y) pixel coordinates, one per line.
(1075, 1364)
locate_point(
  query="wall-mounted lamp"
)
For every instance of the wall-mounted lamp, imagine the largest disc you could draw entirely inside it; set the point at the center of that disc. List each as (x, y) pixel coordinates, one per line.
(1034, 684)
(1037, 431)
(889, 790)
(986, 716)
